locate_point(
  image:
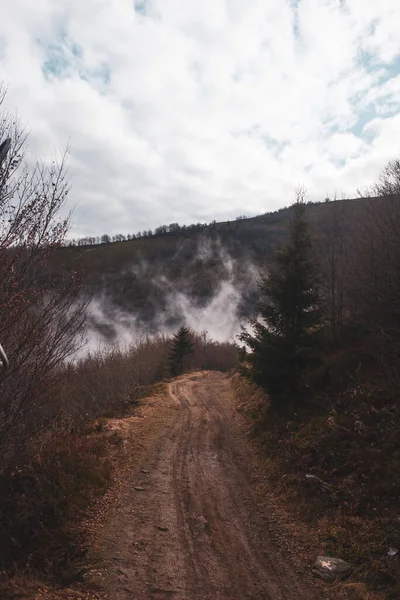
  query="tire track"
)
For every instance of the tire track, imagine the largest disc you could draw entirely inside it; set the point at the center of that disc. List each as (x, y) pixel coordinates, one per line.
(194, 528)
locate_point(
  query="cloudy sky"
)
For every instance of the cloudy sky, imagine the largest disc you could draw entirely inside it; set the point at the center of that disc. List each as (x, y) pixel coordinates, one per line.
(189, 110)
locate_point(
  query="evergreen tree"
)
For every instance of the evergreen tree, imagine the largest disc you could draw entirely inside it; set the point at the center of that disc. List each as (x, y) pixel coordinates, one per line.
(182, 347)
(284, 343)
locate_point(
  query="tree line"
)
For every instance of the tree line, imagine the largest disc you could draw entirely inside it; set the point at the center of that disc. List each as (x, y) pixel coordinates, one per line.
(162, 230)
(172, 229)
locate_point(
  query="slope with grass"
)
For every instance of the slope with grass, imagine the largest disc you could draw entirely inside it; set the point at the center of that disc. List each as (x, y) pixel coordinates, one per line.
(335, 466)
(142, 277)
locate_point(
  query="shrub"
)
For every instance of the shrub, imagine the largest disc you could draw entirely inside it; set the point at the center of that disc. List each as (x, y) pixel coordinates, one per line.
(44, 492)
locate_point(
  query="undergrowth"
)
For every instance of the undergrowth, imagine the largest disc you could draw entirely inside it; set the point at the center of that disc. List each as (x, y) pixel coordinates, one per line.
(44, 495)
(348, 440)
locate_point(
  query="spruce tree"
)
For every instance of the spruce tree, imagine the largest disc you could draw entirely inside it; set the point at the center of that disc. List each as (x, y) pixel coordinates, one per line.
(284, 342)
(182, 347)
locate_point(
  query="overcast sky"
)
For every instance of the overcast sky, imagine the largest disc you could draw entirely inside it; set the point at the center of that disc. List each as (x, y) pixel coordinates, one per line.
(194, 110)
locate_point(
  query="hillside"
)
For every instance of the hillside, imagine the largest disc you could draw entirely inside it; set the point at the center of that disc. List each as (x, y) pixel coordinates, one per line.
(154, 283)
(326, 453)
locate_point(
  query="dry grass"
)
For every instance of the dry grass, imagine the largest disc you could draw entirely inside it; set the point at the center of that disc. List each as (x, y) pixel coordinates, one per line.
(251, 400)
(355, 591)
(356, 517)
(51, 479)
(43, 496)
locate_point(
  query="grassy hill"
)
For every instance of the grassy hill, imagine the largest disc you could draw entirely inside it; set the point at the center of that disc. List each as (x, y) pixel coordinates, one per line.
(144, 277)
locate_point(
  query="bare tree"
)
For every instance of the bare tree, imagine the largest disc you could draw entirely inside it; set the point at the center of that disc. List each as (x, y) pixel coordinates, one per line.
(374, 276)
(40, 323)
(333, 256)
(389, 181)
(375, 269)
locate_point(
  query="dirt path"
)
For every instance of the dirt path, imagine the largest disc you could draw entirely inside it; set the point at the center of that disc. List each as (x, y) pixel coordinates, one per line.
(188, 528)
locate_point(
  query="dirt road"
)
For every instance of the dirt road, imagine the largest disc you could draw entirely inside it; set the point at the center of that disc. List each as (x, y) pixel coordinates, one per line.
(188, 528)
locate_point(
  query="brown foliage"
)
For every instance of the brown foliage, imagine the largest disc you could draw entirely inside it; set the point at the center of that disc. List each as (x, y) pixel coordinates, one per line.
(347, 439)
(110, 378)
(47, 483)
(113, 377)
(43, 494)
(210, 355)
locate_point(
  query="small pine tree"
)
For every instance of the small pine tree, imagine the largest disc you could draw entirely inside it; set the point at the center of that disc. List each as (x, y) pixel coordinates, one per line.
(284, 343)
(182, 347)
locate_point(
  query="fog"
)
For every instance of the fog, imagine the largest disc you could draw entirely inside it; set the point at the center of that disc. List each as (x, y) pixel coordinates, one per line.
(219, 315)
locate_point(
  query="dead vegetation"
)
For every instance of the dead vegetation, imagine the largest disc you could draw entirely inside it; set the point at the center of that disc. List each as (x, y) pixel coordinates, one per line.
(54, 446)
(51, 484)
(335, 467)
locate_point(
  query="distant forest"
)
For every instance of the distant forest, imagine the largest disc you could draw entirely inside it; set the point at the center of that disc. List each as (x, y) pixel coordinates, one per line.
(148, 275)
(174, 229)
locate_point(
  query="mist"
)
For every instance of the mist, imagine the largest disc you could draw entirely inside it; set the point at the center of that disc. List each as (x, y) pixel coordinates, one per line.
(178, 301)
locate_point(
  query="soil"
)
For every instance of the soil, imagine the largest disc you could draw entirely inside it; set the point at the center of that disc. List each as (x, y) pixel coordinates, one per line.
(186, 521)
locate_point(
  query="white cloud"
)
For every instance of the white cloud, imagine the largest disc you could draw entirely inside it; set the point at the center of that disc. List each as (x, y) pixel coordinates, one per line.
(185, 111)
